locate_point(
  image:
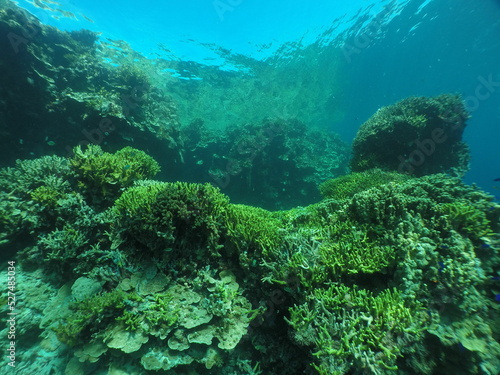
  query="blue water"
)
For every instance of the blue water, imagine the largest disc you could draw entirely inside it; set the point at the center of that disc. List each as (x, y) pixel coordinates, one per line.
(392, 50)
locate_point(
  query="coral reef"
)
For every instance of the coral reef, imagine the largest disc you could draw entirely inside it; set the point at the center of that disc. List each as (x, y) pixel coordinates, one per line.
(104, 175)
(395, 270)
(172, 217)
(346, 186)
(383, 274)
(417, 135)
(353, 328)
(411, 235)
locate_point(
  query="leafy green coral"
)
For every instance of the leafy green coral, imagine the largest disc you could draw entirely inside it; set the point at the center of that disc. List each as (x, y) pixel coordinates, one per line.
(346, 186)
(173, 216)
(351, 327)
(313, 256)
(466, 219)
(161, 311)
(102, 175)
(253, 232)
(46, 196)
(350, 250)
(89, 313)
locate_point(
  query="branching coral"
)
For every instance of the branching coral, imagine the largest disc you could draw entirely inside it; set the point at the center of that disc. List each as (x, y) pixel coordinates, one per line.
(346, 186)
(102, 175)
(190, 270)
(79, 326)
(466, 219)
(354, 327)
(173, 216)
(253, 232)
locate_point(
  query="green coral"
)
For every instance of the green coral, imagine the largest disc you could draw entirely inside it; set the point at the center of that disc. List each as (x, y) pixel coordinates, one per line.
(102, 175)
(417, 135)
(466, 218)
(63, 244)
(173, 216)
(253, 232)
(346, 186)
(350, 250)
(90, 313)
(46, 196)
(343, 272)
(161, 311)
(140, 199)
(351, 327)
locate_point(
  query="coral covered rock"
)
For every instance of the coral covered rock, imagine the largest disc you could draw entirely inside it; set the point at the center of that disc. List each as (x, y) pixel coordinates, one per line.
(417, 135)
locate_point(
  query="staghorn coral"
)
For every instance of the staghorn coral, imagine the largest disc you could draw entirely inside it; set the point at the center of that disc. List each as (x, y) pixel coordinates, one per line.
(392, 274)
(352, 327)
(253, 232)
(467, 219)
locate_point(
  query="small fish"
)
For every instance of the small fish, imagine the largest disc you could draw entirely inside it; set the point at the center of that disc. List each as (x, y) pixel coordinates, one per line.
(445, 247)
(495, 278)
(442, 266)
(51, 143)
(497, 179)
(461, 347)
(497, 297)
(485, 246)
(126, 167)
